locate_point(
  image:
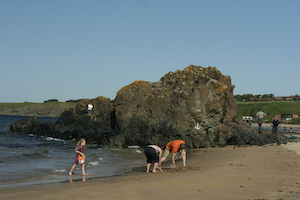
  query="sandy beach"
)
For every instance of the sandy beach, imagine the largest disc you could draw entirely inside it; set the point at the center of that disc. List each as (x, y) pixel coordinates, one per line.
(249, 172)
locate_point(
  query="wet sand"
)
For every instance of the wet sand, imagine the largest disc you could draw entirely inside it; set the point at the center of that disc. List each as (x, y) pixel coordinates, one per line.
(250, 172)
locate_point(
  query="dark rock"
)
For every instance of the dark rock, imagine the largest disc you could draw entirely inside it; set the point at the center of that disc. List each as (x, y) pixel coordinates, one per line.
(32, 125)
(76, 123)
(24, 125)
(195, 105)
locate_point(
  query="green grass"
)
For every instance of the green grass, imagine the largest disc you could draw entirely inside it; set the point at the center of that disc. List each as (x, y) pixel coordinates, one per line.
(270, 107)
(26, 104)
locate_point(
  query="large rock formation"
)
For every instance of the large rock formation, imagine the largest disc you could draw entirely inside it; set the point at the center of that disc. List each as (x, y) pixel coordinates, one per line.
(196, 105)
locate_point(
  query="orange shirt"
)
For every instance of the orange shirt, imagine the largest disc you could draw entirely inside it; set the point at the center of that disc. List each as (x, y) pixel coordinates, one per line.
(174, 145)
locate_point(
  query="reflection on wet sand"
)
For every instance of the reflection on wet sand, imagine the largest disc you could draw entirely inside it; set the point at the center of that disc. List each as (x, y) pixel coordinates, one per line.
(77, 180)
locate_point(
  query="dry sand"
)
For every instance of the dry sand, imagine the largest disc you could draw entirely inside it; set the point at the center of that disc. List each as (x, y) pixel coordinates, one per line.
(251, 172)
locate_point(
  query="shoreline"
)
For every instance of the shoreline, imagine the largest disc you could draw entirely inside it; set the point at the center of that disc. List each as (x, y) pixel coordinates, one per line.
(249, 172)
(98, 171)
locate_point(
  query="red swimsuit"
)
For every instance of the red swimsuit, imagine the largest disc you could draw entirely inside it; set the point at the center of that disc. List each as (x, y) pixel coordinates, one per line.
(80, 149)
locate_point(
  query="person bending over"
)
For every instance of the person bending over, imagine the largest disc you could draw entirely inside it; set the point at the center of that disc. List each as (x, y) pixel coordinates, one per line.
(175, 146)
(153, 154)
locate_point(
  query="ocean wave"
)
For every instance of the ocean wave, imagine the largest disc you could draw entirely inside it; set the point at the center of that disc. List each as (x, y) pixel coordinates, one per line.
(54, 139)
(138, 151)
(133, 147)
(26, 156)
(11, 145)
(34, 155)
(100, 158)
(59, 170)
(93, 163)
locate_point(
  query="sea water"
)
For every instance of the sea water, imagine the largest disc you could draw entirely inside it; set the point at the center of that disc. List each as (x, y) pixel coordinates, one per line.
(26, 159)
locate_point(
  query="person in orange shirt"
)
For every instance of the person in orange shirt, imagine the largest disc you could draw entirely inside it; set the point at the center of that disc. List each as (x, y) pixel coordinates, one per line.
(176, 146)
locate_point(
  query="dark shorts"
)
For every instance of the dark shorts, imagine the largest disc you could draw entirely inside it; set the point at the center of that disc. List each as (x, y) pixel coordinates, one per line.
(151, 155)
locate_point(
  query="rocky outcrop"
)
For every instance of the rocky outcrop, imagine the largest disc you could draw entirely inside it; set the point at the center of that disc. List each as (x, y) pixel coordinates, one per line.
(195, 104)
(32, 125)
(76, 122)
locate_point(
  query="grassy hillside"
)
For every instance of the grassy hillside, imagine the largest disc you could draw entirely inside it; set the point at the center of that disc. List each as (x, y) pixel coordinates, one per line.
(49, 109)
(270, 107)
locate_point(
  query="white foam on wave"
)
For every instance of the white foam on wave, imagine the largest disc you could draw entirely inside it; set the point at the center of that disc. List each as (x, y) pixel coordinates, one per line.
(59, 170)
(133, 147)
(54, 139)
(138, 151)
(94, 163)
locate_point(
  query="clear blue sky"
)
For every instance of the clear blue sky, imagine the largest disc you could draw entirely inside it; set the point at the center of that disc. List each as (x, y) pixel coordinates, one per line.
(72, 49)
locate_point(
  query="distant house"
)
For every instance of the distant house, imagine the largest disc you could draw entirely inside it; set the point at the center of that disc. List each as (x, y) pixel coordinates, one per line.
(287, 117)
(261, 99)
(288, 98)
(292, 98)
(279, 98)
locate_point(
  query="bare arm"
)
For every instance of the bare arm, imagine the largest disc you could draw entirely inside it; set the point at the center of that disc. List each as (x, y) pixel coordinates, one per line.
(76, 150)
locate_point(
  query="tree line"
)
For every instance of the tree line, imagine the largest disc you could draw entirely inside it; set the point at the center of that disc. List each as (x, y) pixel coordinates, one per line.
(68, 101)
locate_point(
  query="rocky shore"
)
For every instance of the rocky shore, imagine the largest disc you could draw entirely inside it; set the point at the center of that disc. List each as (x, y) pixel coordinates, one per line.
(195, 104)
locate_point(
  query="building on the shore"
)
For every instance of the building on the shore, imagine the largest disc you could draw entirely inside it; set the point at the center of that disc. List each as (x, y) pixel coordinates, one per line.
(287, 117)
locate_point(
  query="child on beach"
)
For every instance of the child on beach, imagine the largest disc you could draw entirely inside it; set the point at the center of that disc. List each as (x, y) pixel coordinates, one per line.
(79, 150)
(153, 154)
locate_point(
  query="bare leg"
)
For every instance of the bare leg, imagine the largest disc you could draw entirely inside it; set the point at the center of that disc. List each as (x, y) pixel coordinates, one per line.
(73, 167)
(184, 158)
(83, 170)
(154, 167)
(163, 159)
(148, 167)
